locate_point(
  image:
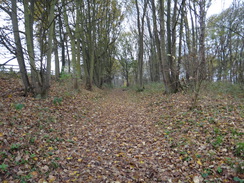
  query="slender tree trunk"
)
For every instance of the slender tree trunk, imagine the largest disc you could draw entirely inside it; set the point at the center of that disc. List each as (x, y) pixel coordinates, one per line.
(151, 53)
(78, 46)
(157, 41)
(91, 45)
(166, 58)
(140, 27)
(55, 49)
(57, 66)
(47, 75)
(19, 50)
(77, 66)
(181, 37)
(62, 43)
(68, 56)
(188, 45)
(85, 54)
(164, 67)
(202, 69)
(73, 47)
(28, 14)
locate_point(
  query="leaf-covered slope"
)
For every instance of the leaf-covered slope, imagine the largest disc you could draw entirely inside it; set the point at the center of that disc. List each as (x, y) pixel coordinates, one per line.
(119, 136)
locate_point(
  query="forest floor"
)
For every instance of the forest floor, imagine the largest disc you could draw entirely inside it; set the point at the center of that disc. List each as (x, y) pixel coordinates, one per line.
(119, 135)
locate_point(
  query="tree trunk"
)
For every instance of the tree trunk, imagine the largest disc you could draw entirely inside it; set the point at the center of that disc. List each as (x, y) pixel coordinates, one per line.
(73, 45)
(62, 38)
(202, 69)
(47, 75)
(140, 27)
(165, 58)
(78, 28)
(157, 41)
(91, 30)
(57, 66)
(181, 37)
(164, 65)
(19, 49)
(28, 14)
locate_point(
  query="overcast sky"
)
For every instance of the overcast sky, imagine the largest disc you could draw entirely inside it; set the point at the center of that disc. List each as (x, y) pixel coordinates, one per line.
(216, 7)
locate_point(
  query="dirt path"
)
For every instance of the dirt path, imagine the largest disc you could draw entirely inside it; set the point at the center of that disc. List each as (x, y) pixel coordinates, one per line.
(119, 143)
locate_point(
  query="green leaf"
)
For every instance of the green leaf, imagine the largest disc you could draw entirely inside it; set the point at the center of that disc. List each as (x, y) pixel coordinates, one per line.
(204, 175)
(3, 167)
(219, 170)
(19, 106)
(15, 146)
(238, 179)
(57, 100)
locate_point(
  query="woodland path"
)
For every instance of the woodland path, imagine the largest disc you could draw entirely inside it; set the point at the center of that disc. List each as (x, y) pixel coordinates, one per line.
(117, 136)
(119, 143)
(139, 137)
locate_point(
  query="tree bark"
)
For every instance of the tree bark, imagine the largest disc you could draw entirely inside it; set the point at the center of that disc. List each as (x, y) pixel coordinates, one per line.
(29, 16)
(140, 27)
(73, 45)
(19, 49)
(62, 40)
(202, 22)
(157, 41)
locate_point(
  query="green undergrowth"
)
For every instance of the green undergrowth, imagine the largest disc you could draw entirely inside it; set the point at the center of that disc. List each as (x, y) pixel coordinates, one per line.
(225, 88)
(154, 87)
